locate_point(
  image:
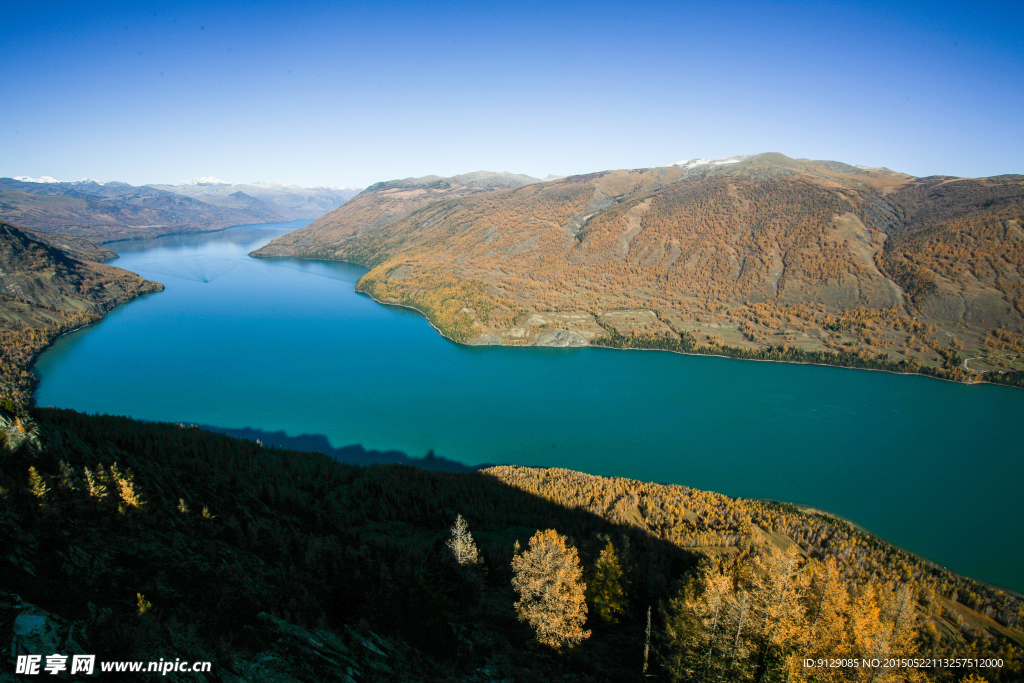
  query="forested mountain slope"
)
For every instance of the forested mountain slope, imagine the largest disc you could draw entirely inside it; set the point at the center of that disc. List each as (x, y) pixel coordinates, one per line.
(45, 291)
(767, 257)
(148, 541)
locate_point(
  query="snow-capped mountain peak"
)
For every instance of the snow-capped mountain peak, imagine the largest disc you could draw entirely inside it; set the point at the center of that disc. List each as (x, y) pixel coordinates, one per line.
(208, 180)
(40, 179)
(337, 188)
(692, 163)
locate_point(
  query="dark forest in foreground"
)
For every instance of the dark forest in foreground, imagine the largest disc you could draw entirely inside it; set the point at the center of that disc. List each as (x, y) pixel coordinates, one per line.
(158, 540)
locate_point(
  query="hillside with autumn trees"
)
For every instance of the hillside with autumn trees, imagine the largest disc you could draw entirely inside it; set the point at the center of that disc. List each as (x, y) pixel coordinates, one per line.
(766, 257)
(50, 285)
(140, 541)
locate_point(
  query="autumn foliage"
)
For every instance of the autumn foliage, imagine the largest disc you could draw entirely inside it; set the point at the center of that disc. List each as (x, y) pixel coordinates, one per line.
(842, 265)
(548, 578)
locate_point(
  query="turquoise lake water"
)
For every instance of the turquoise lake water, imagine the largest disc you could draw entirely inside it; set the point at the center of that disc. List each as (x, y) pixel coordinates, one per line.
(237, 342)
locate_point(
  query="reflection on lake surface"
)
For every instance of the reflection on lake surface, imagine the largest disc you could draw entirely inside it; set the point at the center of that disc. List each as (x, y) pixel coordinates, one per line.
(287, 345)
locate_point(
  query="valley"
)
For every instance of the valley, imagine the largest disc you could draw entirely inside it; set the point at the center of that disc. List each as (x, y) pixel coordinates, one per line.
(387, 342)
(873, 448)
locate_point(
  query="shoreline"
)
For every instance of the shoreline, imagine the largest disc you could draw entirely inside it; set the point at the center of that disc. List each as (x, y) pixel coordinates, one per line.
(812, 510)
(634, 348)
(413, 308)
(799, 362)
(181, 233)
(681, 353)
(355, 288)
(34, 358)
(49, 344)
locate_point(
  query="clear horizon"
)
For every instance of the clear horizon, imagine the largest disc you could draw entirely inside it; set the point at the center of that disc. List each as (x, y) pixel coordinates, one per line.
(317, 95)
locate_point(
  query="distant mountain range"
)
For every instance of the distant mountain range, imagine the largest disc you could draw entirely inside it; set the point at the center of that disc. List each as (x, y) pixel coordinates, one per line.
(758, 256)
(291, 202)
(112, 211)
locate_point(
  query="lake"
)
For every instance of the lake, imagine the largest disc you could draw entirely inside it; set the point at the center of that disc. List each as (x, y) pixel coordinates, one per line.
(287, 345)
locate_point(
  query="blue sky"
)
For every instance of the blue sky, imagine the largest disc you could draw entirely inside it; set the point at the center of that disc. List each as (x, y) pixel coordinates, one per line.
(353, 93)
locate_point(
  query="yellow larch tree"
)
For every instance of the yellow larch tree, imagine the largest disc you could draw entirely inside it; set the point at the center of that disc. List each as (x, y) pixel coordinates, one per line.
(549, 580)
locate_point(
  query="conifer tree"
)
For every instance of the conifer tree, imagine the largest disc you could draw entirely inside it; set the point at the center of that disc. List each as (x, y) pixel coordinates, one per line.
(604, 590)
(18, 429)
(37, 486)
(548, 578)
(708, 630)
(776, 582)
(824, 633)
(144, 605)
(96, 483)
(461, 543)
(67, 477)
(125, 482)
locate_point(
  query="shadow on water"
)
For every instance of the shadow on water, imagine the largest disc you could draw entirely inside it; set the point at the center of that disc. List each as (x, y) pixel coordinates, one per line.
(353, 455)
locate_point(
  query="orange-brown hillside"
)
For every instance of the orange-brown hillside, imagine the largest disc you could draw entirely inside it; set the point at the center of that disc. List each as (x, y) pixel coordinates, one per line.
(765, 257)
(46, 290)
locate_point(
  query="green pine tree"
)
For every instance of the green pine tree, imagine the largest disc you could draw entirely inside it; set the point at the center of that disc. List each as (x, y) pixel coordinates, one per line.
(604, 589)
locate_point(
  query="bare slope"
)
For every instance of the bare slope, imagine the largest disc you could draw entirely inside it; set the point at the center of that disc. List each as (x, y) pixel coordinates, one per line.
(385, 203)
(767, 257)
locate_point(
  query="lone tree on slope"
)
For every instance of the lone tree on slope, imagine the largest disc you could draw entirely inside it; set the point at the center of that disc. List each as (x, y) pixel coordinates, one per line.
(604, 588)
(548, 578)
(461, 543)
